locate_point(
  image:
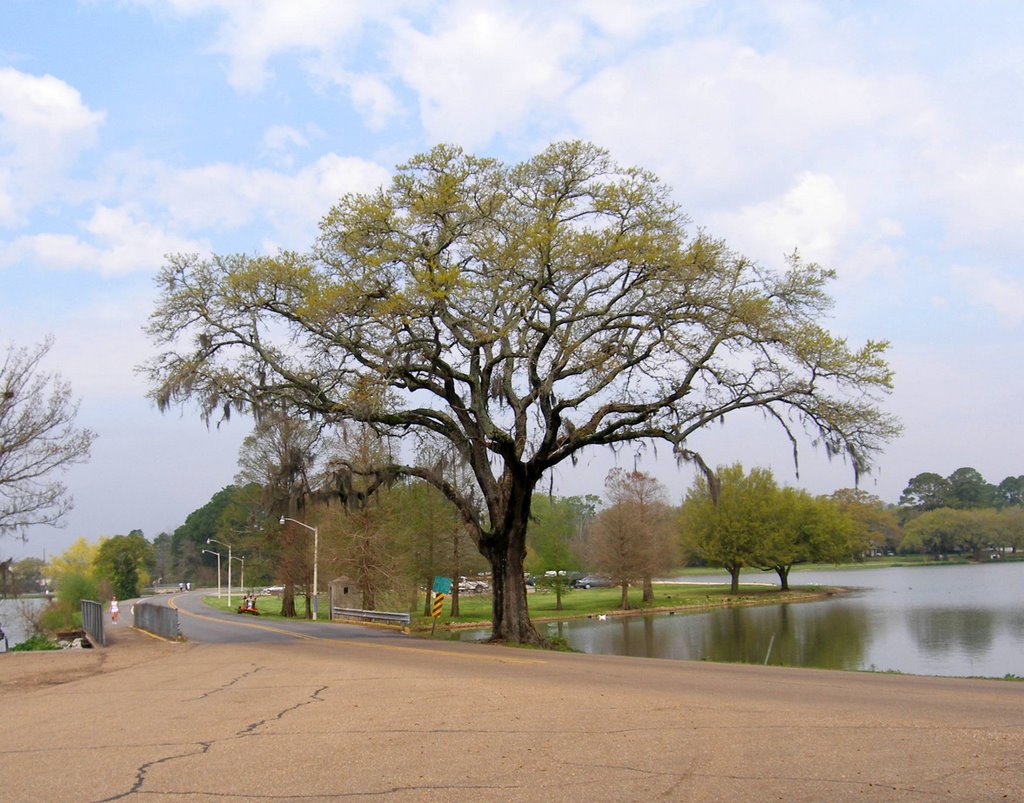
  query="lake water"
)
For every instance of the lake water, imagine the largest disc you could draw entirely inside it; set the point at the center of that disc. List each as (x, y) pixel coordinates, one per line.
(11, 620)
(962, 620)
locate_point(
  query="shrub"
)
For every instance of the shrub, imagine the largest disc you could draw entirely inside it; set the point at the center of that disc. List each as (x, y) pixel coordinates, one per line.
(35, 642)
(73, 587)
(59, 617)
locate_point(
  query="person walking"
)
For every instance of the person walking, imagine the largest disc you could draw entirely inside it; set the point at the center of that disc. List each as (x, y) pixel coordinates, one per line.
(113, 610)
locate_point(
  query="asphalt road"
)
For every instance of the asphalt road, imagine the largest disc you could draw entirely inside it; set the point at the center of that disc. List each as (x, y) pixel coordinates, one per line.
(200, 623)
(310, 717)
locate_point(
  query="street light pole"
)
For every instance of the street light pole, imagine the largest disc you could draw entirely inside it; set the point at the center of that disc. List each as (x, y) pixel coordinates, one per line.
(211, 552)
(215, 541)
(316, 556)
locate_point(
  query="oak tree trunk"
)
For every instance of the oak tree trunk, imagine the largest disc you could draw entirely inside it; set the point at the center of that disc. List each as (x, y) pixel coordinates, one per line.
(734, 578)
(288, 600)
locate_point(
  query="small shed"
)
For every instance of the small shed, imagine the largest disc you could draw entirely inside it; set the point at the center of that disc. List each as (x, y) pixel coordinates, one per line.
(344, 592)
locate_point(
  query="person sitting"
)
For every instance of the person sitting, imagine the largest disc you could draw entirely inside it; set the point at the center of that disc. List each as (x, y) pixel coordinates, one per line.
(249, 606)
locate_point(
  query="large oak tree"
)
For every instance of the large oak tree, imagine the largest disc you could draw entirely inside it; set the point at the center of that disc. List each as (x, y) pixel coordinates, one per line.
(522, 314)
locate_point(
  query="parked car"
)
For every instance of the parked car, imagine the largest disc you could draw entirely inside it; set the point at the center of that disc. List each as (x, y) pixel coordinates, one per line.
(593, 581)
(471, 586)
(268, 590)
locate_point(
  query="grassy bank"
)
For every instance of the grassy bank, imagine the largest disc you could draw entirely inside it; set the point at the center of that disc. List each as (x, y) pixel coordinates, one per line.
(475, 609)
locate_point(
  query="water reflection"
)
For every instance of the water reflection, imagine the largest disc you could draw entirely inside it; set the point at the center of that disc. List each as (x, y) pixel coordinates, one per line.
(970, 630)
(936, 620)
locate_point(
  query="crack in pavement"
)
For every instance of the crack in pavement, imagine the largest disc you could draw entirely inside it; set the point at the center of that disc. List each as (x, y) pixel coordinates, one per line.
(204, 747)
(143, 769)
(313, 698)
(227, 685)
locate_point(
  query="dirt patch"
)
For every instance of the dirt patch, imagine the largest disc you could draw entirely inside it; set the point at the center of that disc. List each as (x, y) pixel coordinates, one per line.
(36, 670)
(25, 671)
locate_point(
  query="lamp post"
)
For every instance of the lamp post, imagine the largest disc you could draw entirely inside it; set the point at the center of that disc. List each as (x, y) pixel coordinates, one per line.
(211, 552)
(215, 541)
(242, 559)
(316, 551)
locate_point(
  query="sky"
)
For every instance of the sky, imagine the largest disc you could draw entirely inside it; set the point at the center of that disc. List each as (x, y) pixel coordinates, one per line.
(882, 139)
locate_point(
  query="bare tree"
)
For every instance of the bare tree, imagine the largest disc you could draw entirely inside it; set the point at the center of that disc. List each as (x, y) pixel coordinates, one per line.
(522, 313)
(633, 535)
(38, 440)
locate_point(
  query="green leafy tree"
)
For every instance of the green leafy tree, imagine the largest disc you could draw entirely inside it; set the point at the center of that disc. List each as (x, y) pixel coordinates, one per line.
(730, 531)
(938, 532)
(1011, 527)
(1010, 492)
(125, 561)
(968, 490)
(189, 540)
(926, 491)
(38, 440)
(523, 314)
(803, 529)
(28, 575)
(552, 531)
(875, 526)
(456, 551)
(163, 566)
(424, 529)
(125, 580)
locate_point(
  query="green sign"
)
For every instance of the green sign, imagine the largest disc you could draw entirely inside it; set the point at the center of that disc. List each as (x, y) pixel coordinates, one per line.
(442, 585)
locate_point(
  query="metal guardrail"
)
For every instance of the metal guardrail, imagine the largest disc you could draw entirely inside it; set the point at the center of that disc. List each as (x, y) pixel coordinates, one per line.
(92, 622)
(157, 619)
(382, 617)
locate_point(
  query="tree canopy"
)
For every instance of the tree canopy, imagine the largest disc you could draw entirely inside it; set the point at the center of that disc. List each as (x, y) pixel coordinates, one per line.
(521, 313)
(730, 529)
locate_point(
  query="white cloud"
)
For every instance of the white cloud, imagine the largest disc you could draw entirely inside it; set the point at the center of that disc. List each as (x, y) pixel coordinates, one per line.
(253, 32)
(485, 69)
(230, 196)
(283, 137)
(280, 141)
(374, 100)
(626, 22)
(43, 127)
(994, 293)
(720, 119)
(180, 210)
(983, 194)
(117, 242)
(813, 215)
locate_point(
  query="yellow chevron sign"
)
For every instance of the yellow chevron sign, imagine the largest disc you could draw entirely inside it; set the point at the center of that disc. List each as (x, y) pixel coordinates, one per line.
(438, 603)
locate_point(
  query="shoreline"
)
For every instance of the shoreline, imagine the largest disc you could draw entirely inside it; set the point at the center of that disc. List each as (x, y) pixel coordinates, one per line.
(740, 601)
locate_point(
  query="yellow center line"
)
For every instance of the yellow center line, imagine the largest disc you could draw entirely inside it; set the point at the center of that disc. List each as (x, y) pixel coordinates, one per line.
(354, 643)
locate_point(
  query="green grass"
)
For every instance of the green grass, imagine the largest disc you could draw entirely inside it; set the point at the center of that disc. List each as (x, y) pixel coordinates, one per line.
(268, 606)
(476, 608)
